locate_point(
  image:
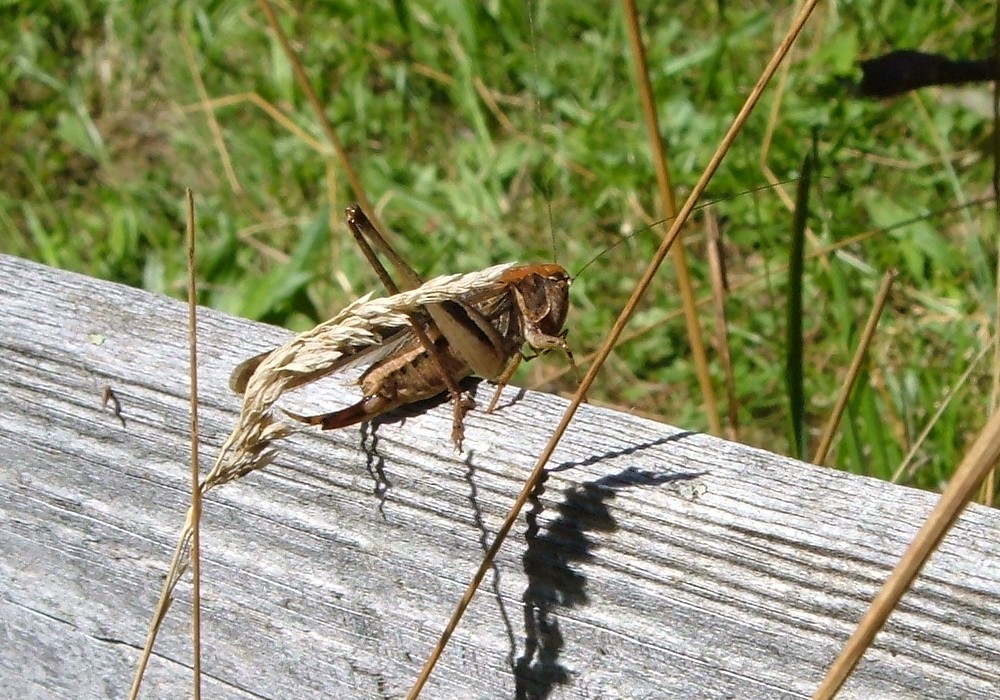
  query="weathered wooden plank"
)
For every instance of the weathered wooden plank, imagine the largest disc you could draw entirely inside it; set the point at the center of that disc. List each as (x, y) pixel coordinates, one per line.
(658, 563)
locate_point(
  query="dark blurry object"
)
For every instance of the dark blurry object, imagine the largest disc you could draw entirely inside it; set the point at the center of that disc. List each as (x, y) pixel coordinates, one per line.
(900, 71)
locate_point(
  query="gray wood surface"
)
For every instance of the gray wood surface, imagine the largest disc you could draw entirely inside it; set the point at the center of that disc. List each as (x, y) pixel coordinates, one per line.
(657, 563)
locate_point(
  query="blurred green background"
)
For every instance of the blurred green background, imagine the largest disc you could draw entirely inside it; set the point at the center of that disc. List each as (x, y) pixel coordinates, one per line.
(508, 131)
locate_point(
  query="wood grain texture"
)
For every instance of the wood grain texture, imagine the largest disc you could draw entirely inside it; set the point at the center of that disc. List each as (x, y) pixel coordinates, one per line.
(657, 563)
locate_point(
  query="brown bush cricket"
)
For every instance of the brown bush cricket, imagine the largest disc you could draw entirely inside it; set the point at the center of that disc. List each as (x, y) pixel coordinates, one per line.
(480, 334)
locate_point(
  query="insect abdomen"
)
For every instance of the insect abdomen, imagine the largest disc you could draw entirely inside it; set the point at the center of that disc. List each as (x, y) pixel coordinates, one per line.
(408, 377)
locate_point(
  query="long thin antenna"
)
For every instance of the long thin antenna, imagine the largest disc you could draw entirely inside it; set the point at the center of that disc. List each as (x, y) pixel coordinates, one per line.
(536, 128)
(670, 219)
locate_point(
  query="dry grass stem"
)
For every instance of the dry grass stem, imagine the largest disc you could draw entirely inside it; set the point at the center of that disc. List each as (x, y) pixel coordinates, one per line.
(213, 124)
(666, 190)
(978, 461)
(720, 288)
(270, 110)
(320, 351)
(855, 369)
(907, 461)
(331, 135)
(195, 467)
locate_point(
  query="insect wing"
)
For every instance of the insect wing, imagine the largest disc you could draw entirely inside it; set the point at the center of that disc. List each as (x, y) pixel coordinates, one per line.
(369, 354)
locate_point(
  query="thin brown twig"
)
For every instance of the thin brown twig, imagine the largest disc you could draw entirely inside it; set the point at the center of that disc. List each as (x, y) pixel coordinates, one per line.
(195, 470)
(155, 623)
(647, 278)
(271, 111)
(758, 279)
(328, 131)
(684, 284)
(491, 104)
(980, 459)
(769, 174)
(213, 124)
(720, 288)
(194, 512)
(855, 368)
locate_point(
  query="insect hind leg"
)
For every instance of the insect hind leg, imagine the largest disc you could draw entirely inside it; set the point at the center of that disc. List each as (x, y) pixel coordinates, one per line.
(364, 410)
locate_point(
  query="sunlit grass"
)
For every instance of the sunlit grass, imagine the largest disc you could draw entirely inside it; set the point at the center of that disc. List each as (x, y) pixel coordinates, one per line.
(515, 136)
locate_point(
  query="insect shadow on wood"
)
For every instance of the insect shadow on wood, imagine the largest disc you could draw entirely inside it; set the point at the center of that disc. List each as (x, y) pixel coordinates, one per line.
(369, 444)
(375, 465)
(516, 398)
(553, 554)
(484, 543)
